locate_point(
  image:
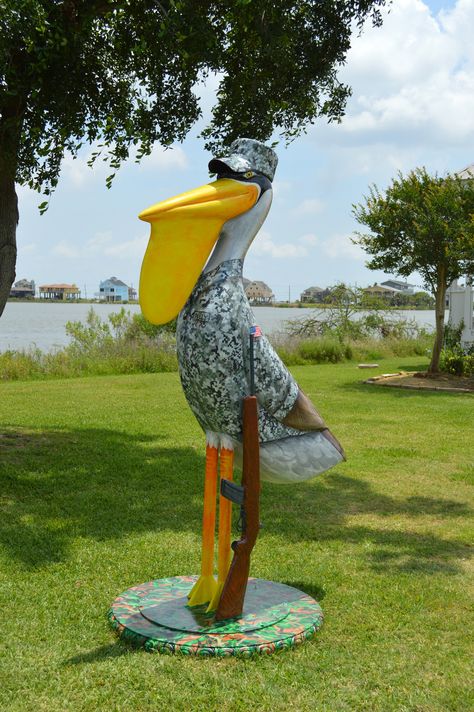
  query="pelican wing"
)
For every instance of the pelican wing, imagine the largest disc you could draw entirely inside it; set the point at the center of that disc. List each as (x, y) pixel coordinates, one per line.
(303, 415)
(278, 392)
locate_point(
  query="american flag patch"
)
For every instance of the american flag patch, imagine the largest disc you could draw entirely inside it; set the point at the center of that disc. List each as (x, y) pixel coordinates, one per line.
(255, 331)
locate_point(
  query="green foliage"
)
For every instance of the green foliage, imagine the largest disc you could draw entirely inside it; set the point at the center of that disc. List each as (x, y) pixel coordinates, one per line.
(423, 224)
(353, 325)
(420, 300)
(350, 314)
(454, 358)
(127, 73)
(457, 362)
(324, 350)
(452, 336)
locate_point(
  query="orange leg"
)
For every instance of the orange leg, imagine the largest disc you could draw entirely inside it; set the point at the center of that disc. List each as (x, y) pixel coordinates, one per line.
(225, 521)
(204, 588)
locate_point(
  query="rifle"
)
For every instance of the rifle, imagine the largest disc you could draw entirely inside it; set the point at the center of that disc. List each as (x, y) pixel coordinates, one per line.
(247, 495)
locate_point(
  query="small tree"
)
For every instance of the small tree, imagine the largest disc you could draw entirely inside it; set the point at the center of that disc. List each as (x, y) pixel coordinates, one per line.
(349, 313)
(421, 224)
(126, 73)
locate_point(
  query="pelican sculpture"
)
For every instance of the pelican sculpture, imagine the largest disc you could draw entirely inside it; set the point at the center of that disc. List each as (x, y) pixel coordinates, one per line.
(180, 276)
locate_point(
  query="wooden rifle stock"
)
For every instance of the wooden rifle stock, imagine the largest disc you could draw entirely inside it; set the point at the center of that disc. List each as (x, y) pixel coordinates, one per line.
(231, 602)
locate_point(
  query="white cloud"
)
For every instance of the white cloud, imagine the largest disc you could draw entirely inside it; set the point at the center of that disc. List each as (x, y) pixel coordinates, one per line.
(103, 244)
(281, 187)
(99, 241)
(65, 249)
(28, 249)
(412, 79)
(76, 170)
(341, 247)
(310, 206)
(25, 194)
(309, 240)
(165, 159)
(128, 249)
(264, 246)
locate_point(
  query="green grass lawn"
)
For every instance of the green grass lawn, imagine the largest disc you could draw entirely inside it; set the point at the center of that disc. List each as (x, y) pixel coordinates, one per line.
(102, 489)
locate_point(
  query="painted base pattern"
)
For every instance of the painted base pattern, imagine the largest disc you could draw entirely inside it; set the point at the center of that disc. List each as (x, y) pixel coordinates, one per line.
(155, 615)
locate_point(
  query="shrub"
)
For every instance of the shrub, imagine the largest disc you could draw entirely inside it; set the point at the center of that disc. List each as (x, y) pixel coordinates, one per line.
(452, 362)
(457, 362)
(20, 365)
(324, 350)
(454, 358)
(452, 336)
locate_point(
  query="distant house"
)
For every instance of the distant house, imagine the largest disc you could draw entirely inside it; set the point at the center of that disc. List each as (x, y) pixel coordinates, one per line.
(466, 173)
(113, 290)
(23, 289)
(59, 292)
(399, 285)
(378, 290)
(314, 294)
(132, 294)
(259, 293)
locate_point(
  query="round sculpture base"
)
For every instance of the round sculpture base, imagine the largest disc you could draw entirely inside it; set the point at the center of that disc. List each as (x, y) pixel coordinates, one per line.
(156, 616)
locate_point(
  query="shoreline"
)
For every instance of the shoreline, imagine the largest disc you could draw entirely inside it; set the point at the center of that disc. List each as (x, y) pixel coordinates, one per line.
(275, 305)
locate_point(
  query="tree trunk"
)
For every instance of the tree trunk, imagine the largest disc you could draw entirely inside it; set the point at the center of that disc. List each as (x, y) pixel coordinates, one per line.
(440, 308)
(8, 224)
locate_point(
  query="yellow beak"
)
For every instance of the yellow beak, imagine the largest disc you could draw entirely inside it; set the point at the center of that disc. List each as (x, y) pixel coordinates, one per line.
(184, 229)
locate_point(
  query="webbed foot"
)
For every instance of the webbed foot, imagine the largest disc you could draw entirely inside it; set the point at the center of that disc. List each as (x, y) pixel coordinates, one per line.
(202, 591)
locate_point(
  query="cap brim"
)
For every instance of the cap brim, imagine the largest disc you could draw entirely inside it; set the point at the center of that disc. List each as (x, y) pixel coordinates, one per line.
(235, 163)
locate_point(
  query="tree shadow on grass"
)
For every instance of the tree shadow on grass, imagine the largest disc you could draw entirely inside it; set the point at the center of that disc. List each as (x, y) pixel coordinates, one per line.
(311, 589)
(117, 649)
(320, 512)
(103, 484)
(98, 483)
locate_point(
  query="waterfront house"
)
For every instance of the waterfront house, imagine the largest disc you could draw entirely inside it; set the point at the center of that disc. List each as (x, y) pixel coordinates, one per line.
(314, 295)
(23, 289)
(378, 290)
(60, 292)
(399, 285)
(113, 290)
(259, 293)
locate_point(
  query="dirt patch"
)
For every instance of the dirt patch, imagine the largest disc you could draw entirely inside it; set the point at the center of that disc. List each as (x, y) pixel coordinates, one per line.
(422, 381)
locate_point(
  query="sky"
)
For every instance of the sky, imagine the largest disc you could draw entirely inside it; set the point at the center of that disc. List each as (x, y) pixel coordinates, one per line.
(412, 105)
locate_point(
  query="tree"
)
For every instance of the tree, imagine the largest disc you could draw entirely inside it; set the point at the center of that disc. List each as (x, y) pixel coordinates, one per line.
(126, 73)
(421, 300)
(421, 224)
(350, 313)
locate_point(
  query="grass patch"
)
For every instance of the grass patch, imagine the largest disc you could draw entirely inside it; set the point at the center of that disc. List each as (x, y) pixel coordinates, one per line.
(101, 488)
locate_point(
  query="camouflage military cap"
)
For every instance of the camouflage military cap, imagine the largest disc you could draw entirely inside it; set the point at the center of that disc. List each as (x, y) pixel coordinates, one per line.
(247, 154)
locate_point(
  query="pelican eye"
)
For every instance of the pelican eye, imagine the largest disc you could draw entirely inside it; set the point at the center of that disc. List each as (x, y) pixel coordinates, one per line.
(249, 174)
